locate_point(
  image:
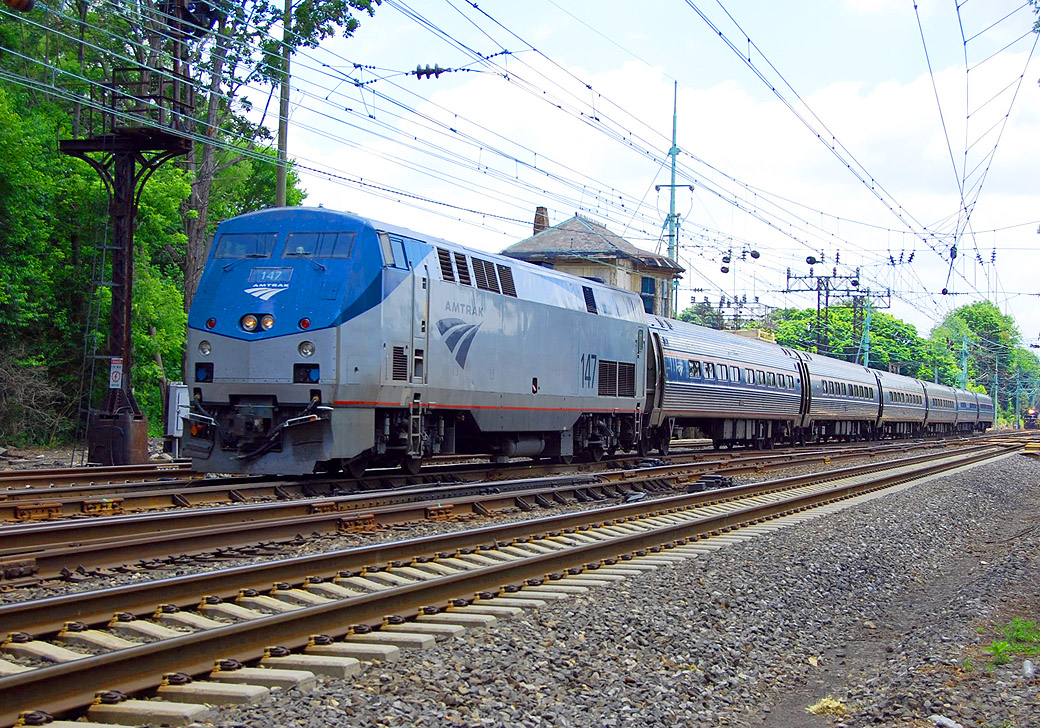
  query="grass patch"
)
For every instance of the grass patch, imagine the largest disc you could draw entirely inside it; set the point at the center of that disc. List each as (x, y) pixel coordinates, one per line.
(1020, 637)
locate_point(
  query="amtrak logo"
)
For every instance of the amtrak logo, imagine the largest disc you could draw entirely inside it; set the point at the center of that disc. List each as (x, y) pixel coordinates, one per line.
(458, 335)
(264, 293)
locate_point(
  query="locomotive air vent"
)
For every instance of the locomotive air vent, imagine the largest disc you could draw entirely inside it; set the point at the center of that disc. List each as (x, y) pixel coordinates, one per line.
(608, 378)
(445, 259)
(484, 273)
(505, 276)
(626, 380)
(400, 372)
(463, 268)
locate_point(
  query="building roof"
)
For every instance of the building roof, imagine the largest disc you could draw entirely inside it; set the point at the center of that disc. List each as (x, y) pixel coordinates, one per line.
(579, 237)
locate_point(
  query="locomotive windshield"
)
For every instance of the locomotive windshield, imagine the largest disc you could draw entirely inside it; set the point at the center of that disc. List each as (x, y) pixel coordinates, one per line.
(245, 245)
(319, 245)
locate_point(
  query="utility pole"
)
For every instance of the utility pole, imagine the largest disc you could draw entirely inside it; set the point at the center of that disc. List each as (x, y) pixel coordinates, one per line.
(864, 342)
(283, 111)
(996, 404)
(671, 223)
(964, 361)
(1018, 387)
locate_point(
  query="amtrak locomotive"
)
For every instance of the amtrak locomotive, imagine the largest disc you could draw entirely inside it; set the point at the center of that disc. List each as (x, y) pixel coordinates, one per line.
(321, 340)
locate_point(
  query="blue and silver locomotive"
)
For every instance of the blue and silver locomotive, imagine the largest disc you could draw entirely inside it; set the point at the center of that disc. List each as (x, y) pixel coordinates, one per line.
(321, 340)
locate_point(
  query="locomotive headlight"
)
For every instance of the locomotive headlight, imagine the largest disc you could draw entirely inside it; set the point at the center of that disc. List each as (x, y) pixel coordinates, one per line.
(266, 321)
(306, 348)
(249, 322)
(205, 348)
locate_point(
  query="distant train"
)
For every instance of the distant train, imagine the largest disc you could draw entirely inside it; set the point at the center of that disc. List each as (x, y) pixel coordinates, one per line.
(324, 341)
(1030, 420)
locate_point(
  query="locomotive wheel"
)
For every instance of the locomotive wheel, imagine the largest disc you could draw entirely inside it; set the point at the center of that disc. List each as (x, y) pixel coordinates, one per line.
(563, 459)
(595, 453)
(356, 467)
(411, 465)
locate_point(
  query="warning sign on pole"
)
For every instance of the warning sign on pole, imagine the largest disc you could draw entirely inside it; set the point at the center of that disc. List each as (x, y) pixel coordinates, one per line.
(115, 373)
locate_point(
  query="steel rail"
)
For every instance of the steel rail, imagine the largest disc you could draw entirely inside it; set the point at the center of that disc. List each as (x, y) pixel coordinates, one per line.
(21, 538)
(97, 606)
(66, 686)
(29, 504)
(44, 550)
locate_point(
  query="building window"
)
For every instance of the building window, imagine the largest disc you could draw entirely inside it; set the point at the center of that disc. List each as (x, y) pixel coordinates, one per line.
(648, 293)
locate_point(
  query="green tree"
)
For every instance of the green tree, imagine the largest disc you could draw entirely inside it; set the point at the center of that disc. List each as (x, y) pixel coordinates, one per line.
(702, 314)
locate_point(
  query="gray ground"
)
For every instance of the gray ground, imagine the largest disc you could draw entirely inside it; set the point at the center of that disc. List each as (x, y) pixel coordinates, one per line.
(884, 607)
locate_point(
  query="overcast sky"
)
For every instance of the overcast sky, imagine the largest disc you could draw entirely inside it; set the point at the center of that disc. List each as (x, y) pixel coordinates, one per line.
(777, 101)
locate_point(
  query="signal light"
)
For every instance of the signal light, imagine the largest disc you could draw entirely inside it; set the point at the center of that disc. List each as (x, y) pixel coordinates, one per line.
(210, 323)
(22, 6)
(305, 323)
(266, 321)
(249, 322)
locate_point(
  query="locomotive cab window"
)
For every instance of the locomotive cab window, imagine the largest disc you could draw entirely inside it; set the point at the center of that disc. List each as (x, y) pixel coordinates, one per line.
(318, 245)
(245, 245)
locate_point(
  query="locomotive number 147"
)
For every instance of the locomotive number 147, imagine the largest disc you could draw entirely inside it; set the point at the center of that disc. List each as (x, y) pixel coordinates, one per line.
(588, 371)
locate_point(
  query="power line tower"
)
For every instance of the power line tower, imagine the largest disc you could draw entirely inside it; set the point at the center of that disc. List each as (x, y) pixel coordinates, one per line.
(134, 123)
(839, 287)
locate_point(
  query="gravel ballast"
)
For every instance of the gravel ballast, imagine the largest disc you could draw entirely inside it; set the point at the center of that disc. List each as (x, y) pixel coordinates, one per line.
(883, 607)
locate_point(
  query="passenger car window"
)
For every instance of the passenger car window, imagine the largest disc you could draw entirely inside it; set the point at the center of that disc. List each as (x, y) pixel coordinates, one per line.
(749, 376)
(695, 368)
(723, 372)
(760, 377)
(772, 379)
(709, 370)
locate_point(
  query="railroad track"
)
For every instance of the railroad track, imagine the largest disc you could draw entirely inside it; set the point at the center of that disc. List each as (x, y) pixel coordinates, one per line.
(349, 603)
(47, 499)
(44, 478)
(48, 550)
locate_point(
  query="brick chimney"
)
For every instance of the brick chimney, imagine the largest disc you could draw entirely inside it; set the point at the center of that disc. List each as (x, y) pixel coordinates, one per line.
(541, 219)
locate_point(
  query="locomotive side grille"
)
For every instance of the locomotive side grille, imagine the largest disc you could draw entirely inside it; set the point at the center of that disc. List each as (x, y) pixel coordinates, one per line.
(445, 259)
(505, 275)
(617, 379)
(626, 385)
(590, 299)
(484, 273)
(608, 378)
(463, 268)
(400, 372)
